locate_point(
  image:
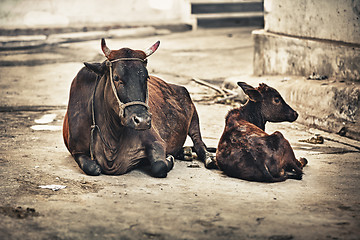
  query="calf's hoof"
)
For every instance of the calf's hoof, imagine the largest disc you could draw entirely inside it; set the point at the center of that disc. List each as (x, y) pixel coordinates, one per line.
(159, 169)
(295, 176)
(303, 162)
(298, 176)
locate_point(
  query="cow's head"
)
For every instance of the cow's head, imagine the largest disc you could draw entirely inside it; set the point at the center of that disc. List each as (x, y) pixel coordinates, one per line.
(272, 105)
(125, 89)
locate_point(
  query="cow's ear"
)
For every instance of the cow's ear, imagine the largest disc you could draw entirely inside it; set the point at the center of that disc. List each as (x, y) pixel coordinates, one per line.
(253, 93)
(97, 68)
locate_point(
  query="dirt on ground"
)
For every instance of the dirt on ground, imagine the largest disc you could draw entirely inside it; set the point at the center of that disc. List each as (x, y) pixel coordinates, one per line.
(192, 202)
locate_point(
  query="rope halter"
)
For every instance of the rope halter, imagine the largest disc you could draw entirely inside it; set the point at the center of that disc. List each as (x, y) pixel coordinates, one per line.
(122, 105)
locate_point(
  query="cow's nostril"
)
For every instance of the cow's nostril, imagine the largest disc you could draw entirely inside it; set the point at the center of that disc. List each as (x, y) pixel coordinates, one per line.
(140, 122)
(136, 120)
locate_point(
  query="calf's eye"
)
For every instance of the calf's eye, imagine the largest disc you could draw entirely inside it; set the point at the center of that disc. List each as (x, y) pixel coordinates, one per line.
(276, 100)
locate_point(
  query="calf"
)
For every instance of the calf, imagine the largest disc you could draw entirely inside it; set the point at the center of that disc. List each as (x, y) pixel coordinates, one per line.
(245, 151)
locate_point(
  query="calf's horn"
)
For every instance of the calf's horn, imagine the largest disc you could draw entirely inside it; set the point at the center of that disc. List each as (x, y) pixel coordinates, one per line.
(104, 48)
(152, 49)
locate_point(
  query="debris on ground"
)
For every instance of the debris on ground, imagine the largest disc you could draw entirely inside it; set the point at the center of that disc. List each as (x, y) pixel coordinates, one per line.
(317, 139)
(46, 128)
(315, 76)
(193, 165)
(53, 187)
(342, 131)
(47, 118)
(223, 95)
(18, 212)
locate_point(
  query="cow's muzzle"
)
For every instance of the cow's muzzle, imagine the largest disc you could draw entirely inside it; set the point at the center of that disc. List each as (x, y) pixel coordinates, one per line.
(139, 122)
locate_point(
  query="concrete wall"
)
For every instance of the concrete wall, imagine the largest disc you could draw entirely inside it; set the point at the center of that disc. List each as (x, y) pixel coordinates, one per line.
(277, 54)
(65, 13)
(309, 36)
(337, 20)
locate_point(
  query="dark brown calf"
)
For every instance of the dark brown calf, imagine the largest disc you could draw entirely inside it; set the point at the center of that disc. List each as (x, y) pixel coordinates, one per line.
(245, 151)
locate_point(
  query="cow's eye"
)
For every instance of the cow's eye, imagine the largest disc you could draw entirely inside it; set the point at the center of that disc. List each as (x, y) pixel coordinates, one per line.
(117, 79)
(277, 100)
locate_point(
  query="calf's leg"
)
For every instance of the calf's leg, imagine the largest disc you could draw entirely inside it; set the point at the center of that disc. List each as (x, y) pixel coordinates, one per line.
(267, 176)
(283, 159)
(288, 160)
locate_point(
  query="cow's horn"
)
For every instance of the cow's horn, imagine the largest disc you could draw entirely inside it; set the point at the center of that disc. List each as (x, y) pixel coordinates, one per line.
(104, 48)
(152, 49)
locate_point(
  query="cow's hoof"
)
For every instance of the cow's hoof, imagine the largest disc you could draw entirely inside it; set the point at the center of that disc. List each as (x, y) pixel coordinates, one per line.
(159, 169)
(185, 154)
(91, 168)
(210, 161)
(188, 154)
(170, 159)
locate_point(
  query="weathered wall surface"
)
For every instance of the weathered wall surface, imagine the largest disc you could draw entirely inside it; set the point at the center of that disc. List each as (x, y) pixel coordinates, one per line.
(70, 13)
(309, 36)
(278, 54)
(337, 20)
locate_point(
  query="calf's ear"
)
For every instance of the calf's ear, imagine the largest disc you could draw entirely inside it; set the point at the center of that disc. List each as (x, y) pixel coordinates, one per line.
(253, 93)
(97, 68)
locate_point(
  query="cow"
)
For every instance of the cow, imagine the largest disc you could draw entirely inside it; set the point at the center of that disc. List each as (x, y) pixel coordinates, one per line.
(245, 151)
(119, 116)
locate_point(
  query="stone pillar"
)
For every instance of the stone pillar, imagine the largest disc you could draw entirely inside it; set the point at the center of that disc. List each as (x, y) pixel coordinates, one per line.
(309, 36)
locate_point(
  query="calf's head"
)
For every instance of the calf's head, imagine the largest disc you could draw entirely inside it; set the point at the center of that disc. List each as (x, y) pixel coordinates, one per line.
(126, 91)
(272, 106)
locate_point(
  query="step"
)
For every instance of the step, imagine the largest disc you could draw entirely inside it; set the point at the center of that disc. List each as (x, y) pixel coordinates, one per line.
(229, 15)
(227, 7)
(257, 22)
(250, 19)
(223, 1)
(236, 13)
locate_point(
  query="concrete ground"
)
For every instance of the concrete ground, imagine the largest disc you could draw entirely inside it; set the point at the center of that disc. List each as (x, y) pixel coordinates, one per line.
(192, 202)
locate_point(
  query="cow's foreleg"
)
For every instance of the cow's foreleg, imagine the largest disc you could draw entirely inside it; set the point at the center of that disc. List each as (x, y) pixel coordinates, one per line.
(160, 164)
(87, 165)
(199, 145)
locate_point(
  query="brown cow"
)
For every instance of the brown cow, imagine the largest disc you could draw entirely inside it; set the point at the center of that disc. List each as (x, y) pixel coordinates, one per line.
(118, 116)
(245, 151)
